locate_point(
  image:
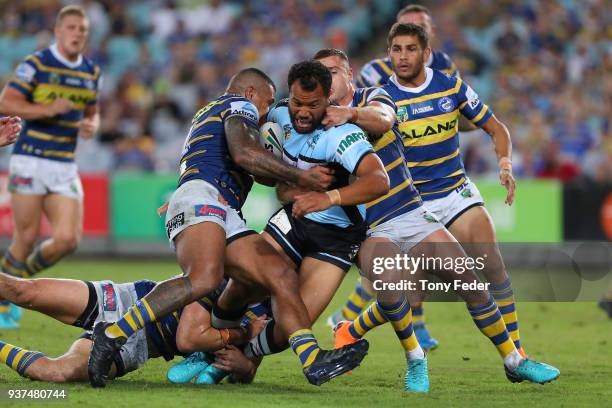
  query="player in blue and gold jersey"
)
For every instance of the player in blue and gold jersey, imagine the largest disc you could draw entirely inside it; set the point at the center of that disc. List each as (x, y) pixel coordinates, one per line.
(220, 154)
(55, 92)
(378, 71)
(83, 303)
(415, 232)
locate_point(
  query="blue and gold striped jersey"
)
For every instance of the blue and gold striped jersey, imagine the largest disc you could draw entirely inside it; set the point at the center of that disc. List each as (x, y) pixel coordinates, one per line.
(378, 71)
(43, 77)
(428, 118)
(402, 196)
(205, 152)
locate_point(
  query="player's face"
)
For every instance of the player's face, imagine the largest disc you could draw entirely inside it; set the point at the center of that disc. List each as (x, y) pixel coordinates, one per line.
(342, 77)
(420, 19)
(306, 108)
(407, 57)
(71, 35)
(262, 99)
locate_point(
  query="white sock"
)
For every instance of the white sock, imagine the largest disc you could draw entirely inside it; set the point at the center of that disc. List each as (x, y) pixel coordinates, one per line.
(416, 354)
(513, 359)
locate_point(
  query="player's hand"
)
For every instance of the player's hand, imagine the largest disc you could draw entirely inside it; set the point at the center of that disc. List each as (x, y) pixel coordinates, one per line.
(88, 128)
(233, 360)
(336, 116)
(10, 127)
(507, 180)
(317, 178)
(255, 326)
(310, 202)
(59, 106)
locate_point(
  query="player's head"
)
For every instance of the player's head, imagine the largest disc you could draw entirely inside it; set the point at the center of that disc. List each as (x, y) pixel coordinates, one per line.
(309, 85)
(71, 30)
(342, 75)
(419, 15)
(256, 86)
(408, 50)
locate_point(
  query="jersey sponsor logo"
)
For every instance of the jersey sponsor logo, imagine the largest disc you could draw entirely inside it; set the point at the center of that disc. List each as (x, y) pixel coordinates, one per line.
(349, 140)
(446, 104)
(174, 223)
(109, 297)
(281, 221)
(19, 181)
(73, 81)
(422, 107)
(205, 210)
(430, 130)
(245, 109)
(25, 72)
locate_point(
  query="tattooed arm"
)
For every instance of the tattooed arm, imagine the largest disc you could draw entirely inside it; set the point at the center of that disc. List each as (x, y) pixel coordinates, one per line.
(242, 141)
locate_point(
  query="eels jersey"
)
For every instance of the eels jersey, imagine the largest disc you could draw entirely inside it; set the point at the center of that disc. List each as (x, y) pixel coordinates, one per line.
(378, 71)
(43, 77)
(342, 147)
(428, 118)
(402, 196)
(206, 154)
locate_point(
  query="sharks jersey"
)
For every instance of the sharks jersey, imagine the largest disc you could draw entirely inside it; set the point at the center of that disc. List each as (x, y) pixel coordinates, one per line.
(378, 71)
(342, 147)
(43, 77)
(428, 118)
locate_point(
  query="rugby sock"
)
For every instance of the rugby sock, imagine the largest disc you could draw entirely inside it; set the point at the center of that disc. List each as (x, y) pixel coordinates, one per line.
(36, 263)
(374, 316)
(263, 344)
(4, 306)
(400, 317)
(304, 344)
(17, 358)
(489, 321)
(13, 267)
(135, 319)
(356, 302)
(418, 316)
(504, 297)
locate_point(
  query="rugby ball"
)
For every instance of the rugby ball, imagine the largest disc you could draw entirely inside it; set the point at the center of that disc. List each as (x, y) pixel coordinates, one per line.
(272, 138)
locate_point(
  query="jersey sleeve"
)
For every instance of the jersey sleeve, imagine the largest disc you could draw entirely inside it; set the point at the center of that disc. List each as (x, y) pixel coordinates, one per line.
(245, 110)
(381, 96)
(471, 106)
(348, 146)
(275, 113)
(369, 76)
(25, 78)
(97, 85)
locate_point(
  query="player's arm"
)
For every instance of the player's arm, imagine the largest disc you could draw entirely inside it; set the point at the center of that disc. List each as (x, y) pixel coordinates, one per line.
(15, 103)
(286, 192)
(372, 182)
(465, 125)
(375, 118)
(503, 149)
(242, 141)
(90, 123)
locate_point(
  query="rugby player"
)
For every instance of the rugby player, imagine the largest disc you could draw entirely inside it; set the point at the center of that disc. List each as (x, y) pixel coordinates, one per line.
(83, 303)
(399, 223)
(55, 92)
(377, 73)
(317, 233)
(221, 152)
(10, 127)
(434, 159)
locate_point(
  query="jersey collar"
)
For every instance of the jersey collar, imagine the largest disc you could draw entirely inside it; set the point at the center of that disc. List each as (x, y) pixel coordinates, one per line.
(58, 56)
(418, 89)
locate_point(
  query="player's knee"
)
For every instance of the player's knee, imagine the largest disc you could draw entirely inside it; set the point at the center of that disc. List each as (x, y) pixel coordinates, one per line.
(67, 241)
(205, 279)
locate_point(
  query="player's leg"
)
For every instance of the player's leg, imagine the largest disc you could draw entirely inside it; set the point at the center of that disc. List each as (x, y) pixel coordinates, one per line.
(61, 299)
(357, 300)
(474, 229)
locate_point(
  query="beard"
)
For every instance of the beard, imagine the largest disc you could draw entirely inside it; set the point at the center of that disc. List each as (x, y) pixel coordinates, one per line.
(412, 73)
(315, 122)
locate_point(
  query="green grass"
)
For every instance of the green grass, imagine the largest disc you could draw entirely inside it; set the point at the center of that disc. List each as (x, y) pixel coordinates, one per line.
(465, 370)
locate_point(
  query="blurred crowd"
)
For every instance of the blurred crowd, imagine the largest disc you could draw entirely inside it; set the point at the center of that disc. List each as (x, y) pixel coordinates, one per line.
(543, 66)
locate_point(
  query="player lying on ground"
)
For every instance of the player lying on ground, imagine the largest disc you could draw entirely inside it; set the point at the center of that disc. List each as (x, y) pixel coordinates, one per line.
(221, 153)
(324, 242)
(83, 303)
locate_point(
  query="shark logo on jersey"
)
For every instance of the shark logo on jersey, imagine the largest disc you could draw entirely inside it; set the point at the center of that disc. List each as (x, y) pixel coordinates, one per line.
(446, 104)
(246, 109)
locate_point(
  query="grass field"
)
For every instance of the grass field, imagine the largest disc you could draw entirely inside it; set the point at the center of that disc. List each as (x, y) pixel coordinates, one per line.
(464, 371)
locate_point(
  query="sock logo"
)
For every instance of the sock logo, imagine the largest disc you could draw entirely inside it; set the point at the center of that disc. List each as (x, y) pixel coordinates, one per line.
(109, 299)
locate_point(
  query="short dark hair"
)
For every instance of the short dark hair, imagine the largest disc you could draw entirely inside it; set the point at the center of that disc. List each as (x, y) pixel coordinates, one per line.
(310, 74)
(249, 77)
(330, 52)
(259, 73)
(71, 10)
(408, 29)
(413, 8)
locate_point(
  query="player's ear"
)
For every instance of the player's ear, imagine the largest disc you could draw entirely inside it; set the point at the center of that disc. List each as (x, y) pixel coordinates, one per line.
(250, 92)
(350, 74)
(426, 53)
